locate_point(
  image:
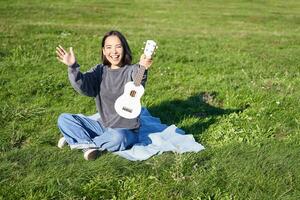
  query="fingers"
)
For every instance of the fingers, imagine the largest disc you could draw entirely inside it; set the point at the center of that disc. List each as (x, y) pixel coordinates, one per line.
(146, 62)
(71, 51)
(59, 55)
(60, 59)
(143, 56)
(149, 63)
(60, 51)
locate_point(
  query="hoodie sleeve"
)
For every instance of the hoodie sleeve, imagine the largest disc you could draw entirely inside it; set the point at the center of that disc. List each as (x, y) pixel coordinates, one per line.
(87, 83)
(136, 69)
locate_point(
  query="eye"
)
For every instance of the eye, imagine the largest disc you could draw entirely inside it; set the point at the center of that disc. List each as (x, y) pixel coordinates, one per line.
(119, 46)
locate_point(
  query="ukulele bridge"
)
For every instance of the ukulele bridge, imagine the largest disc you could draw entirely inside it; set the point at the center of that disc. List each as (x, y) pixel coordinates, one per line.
(127, 109)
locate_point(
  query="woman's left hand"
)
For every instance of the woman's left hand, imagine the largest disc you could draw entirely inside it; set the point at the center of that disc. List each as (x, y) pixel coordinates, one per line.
(146, 62)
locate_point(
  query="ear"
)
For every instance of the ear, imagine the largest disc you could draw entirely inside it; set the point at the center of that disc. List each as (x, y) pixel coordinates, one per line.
(103, 51)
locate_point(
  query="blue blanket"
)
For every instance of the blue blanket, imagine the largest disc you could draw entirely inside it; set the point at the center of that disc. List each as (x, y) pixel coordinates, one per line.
(156, 138)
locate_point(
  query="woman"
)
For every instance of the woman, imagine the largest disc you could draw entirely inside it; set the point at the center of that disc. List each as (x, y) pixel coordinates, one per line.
(105, 82)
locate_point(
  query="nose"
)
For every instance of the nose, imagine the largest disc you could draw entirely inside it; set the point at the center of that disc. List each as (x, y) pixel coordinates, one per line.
(114, 50)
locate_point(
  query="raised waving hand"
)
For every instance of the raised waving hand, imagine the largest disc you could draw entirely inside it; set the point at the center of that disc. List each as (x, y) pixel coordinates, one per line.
(68, 58)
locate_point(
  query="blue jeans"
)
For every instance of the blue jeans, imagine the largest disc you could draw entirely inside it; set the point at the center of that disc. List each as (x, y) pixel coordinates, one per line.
(82, 132)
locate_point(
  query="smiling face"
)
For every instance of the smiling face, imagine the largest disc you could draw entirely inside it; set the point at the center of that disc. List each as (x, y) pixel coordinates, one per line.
(113, 51)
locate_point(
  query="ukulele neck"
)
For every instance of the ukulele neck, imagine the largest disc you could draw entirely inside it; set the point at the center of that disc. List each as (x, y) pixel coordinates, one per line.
(139, 76)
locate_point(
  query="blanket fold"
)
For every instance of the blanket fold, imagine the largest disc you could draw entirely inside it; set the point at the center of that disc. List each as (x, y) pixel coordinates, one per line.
(156, 138)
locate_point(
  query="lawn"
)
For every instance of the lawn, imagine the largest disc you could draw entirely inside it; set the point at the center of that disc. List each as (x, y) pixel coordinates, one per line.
(226, 72)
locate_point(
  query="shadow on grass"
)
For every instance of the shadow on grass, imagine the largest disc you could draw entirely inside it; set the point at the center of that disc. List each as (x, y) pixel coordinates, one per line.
(199, 106)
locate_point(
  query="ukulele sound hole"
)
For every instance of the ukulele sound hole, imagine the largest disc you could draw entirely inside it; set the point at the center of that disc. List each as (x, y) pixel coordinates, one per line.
(127, 109)
(132, 93)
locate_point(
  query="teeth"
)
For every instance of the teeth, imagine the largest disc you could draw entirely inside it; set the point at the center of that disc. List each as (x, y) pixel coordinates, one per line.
(114, 57)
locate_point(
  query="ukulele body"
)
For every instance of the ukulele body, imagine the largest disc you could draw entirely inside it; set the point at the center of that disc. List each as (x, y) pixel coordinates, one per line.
(128, 105)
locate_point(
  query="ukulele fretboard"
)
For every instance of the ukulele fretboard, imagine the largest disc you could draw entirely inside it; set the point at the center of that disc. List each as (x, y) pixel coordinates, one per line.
(139, 76)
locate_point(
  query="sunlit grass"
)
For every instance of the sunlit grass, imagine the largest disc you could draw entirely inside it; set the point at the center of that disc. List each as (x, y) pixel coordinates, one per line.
(225, 72)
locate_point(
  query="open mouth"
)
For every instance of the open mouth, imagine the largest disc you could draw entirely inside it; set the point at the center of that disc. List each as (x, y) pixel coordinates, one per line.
(115, 57)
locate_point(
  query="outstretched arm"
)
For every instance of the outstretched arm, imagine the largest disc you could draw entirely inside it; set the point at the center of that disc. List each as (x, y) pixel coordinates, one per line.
(144, 65)
(85, 83)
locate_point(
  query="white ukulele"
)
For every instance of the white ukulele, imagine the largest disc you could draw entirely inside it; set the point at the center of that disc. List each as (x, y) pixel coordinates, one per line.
(128, 105)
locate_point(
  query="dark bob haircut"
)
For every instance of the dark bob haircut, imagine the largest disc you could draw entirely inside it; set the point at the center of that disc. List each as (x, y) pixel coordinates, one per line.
(127, 58)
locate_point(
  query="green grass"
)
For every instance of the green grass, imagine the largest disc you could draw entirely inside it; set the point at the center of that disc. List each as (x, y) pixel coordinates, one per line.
(225, 71)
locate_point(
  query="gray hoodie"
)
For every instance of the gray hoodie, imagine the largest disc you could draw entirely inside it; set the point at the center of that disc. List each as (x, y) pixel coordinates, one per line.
(106, 85)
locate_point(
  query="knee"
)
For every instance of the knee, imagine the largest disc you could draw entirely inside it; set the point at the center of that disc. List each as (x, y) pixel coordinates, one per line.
(117, 139)
(63, 119)
(117, 142)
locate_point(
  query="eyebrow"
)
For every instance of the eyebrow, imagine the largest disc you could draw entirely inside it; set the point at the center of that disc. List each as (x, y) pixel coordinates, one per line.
(108, 45)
